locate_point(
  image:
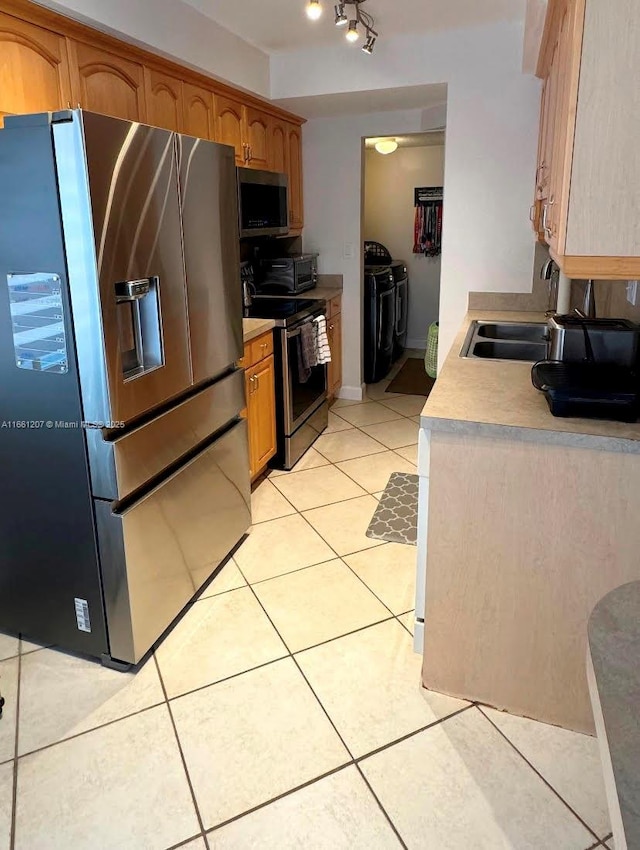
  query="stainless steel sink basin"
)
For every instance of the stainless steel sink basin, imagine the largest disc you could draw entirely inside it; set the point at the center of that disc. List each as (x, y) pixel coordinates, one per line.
(511, 331)
(523, 341)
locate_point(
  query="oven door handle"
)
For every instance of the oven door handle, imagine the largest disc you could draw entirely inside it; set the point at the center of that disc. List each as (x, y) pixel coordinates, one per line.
(294, 334)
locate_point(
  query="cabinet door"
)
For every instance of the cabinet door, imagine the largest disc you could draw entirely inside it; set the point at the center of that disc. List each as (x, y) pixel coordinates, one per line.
(261, 396)
(164, 100)
(199, 119)
(103, 82)
(335, 343)
(34, 69)
(294, 150)
(251, 417)
(256, 136)
(229, 126)
(278, 141)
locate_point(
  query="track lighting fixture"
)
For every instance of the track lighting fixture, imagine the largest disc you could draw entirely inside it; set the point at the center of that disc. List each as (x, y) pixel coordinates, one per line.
(357, 17)
(314, 10)
(341, 18)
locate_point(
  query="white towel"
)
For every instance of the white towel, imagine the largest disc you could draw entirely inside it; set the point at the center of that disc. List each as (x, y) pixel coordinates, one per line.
(322, 340)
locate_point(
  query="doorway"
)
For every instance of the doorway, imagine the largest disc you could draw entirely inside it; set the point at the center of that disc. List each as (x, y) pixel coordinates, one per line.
(402, 214)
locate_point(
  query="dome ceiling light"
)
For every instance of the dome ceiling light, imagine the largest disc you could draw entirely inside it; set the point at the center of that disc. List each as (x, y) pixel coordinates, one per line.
(386, 146)
(349, 12)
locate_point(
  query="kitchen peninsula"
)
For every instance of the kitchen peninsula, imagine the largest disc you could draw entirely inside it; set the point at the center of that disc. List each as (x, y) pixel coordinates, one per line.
(527, 521)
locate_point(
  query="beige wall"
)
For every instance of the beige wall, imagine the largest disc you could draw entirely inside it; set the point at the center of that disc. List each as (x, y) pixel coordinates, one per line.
(389, 218)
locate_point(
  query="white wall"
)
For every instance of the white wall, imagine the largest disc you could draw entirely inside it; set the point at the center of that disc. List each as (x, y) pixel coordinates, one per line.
(492, 128)
(389, 216)
(178, 31)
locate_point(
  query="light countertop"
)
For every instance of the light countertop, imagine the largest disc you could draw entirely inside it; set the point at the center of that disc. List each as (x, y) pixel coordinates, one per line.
(252, 328)
(614, 644)
(496, 398)
(322, 291)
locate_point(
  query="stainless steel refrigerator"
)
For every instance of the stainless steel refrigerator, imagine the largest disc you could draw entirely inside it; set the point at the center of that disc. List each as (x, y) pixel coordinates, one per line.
(124, 467)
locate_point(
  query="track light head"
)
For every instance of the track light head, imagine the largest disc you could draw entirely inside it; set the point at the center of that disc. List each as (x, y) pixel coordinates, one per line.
(352, 34)
(314, 10)
(341, 18)
(368, 46)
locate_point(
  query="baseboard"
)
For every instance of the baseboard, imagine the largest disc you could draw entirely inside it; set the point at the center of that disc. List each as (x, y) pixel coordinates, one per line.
(416, 343)
(418, 637)
(351, 393)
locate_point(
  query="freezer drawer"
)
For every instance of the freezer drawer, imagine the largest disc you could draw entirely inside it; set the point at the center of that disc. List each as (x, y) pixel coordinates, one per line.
(121, 466)
(157, 553)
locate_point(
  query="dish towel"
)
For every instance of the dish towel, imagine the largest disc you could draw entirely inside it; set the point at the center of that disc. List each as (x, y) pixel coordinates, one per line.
(307, 351)
(322, 340)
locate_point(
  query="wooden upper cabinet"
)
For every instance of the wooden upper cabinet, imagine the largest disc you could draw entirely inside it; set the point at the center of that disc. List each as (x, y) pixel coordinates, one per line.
(256, 137)
(164, 100)
(229, 125)
(199, 117)
(278, 141)
(294, 152)
(106, 83)
(34, 69)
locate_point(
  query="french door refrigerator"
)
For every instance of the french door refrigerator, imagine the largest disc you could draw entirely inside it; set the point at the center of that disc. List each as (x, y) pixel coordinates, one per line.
(124, 471)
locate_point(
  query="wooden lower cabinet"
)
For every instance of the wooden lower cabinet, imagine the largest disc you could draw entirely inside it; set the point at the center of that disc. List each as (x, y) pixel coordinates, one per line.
(334, 332)
(260, 387)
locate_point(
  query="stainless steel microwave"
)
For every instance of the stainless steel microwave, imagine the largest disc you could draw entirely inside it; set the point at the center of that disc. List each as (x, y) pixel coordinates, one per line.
(263, 203)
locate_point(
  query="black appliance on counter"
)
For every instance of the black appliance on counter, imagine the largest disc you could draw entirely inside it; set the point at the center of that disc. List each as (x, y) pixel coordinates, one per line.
(263, 201)
(379, 322)
(288, 275)
(302, 410)
(377, 263)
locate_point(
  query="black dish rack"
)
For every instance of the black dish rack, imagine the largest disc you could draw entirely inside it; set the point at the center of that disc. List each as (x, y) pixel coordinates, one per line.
(589, 390)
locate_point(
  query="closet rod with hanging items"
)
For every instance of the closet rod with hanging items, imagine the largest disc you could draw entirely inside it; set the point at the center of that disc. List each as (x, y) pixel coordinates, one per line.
(428, 221)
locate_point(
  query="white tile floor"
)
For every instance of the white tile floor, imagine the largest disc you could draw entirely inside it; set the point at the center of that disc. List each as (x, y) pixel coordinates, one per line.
(285, 710)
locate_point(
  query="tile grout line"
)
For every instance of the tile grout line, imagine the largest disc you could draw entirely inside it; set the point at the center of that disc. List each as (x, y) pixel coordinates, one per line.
(381, 807)
(182, 756)
(14, 800)
(537, 772)
(333, 725)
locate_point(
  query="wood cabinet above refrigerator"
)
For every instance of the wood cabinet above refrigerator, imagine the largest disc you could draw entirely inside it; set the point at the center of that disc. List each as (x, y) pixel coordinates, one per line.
(588, 171)
(49, 62)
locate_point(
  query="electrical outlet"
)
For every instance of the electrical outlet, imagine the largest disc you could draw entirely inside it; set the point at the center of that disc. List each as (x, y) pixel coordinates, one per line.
(632, 292)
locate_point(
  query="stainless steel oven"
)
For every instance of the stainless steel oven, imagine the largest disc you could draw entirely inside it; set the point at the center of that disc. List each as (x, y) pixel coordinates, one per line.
(305, 409)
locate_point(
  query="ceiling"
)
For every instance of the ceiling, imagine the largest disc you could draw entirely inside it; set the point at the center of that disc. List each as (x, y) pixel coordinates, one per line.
(415, 140)
(279, 25)
(365, 102)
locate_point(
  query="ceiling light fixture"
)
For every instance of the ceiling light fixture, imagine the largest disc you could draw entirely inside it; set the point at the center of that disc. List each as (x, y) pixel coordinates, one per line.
(341, 18)
(386, 146)
(314, 10)
(358, 16)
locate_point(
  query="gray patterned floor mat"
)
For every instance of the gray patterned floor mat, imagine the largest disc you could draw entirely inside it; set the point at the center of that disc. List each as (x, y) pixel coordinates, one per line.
(396, 517)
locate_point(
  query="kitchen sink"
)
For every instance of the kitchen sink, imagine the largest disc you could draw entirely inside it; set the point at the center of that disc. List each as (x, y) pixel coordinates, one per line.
(511, 331)
(520, 341)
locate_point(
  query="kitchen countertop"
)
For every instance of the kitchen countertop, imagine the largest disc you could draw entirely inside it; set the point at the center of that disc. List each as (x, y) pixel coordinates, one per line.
(252, 328)
(497, 399)
(322, 291)
(614, 643)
